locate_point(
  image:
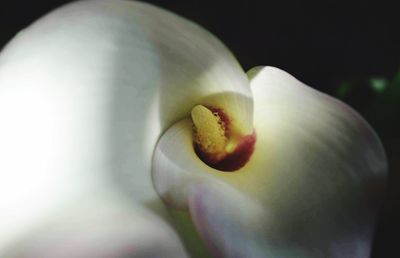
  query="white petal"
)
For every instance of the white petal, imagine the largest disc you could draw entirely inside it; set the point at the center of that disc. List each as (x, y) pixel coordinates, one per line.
(234, 225)
(104, 228)
(326, 165)
(318, 172)
(86, 91)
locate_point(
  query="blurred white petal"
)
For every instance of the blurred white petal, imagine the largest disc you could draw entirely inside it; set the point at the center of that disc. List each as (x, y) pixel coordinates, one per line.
(85, 93)
(101, 228)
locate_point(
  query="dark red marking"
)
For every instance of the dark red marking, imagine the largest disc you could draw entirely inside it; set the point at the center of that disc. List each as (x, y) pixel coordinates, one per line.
(234, 161)
(238, 158)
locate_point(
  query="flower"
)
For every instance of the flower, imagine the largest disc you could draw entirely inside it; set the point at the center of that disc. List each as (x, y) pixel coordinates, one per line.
(107, 107)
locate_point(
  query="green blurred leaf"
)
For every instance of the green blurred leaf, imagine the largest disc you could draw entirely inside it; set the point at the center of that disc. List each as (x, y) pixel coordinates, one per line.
(379, 85)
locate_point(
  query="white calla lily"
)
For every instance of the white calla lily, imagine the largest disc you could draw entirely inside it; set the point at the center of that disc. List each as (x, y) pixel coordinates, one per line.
(87, 92)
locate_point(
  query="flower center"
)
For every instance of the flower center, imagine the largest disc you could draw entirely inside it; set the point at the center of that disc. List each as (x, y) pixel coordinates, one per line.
(215, 144)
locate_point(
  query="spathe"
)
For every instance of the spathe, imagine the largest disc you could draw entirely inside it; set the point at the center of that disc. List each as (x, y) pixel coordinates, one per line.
(85, 94)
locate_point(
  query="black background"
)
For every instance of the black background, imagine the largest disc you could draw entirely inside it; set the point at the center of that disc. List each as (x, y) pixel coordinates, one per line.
(322, 43)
